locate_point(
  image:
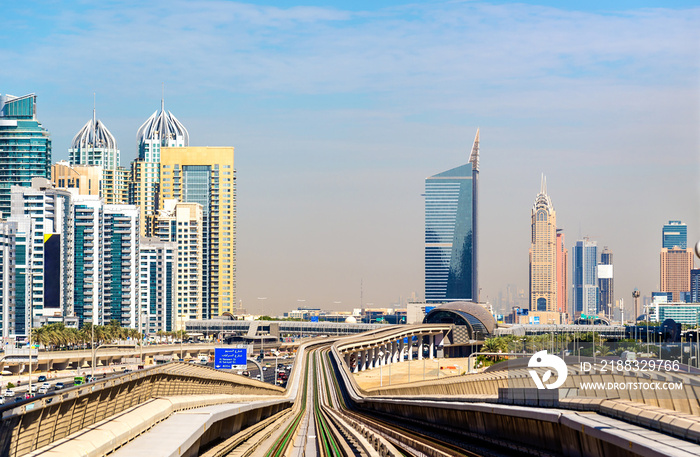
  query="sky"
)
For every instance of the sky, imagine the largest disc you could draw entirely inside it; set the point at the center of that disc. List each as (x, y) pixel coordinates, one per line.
(338, 112)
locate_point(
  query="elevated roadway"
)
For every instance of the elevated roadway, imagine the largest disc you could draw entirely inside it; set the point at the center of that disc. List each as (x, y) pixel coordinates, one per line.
(325, 411)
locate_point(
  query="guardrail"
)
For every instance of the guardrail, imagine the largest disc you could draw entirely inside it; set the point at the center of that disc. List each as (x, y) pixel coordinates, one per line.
(35, 423)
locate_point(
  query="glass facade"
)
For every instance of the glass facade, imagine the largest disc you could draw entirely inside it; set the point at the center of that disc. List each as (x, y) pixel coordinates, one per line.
(25, 147)
(450, 265)
(196, 188)
(675, 234)
(584, 260)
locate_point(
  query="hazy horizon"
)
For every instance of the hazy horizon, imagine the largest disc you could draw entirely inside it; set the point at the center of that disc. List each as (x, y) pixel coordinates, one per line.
(338, 114)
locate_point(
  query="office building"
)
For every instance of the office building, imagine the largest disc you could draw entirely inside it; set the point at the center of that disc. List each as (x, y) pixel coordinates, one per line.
(115, 186)
(585, 282)
(160, 130)
(674, 235)
(675, 267)
(562, 274)
(695, 286)
(183, 225)
(206, 175)
(605, 282)
(543, 253)
(157, 285)
(451, 260)
(25, 147)
(682, 313)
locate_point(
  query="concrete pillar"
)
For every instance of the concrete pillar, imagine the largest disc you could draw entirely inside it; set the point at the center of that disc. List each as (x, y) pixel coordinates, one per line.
(420, 347)
(410, 348)
(394, 351)
(347, 359)
(431, 339)
(357, 362)
(402, 346)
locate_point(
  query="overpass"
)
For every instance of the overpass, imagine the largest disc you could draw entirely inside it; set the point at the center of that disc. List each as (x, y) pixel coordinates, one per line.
(325, 411)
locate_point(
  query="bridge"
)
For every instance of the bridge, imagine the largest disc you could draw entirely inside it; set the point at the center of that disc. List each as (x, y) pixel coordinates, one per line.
(330, 408)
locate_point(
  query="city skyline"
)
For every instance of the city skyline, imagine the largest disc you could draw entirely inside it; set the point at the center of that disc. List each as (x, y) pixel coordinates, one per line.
(334, 137)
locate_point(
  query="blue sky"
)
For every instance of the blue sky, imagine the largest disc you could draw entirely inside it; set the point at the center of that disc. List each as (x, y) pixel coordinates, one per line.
(338, 113)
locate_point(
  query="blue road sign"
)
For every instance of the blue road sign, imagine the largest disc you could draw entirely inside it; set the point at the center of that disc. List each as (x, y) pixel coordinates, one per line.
(230, 358)
(314, 318)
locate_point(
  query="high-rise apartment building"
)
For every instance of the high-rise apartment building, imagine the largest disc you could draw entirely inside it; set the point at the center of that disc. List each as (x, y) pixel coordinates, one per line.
(183, 225)
(606, 282)
(25, 147)
(43, 253)
(674, 235)
(157, 280)
(8, 254)
(94, 144)
(585, 282)
(206, 175)
(543, 253)
(562, 274)
(87, 179)
(105, 261)
(160, 130)
(451, 260)
(676, 264)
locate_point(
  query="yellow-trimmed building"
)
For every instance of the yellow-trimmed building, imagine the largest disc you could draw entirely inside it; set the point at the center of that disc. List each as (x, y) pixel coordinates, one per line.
(206, 175)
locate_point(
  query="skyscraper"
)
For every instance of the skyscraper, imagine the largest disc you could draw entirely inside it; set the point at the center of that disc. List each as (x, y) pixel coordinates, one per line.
(585, 295)
(451, 261)
(94, 144)
(160, 130)
(605, 282)
(676, 264)
(8, 255)
(25, 147)
(562, 274)
(674, 235)
(43, 274)
(157, 280)
(543, 253)
(182, 225)
(206, 175)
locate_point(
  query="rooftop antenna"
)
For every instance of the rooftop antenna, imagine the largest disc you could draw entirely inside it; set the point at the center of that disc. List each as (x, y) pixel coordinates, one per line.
(94, 120)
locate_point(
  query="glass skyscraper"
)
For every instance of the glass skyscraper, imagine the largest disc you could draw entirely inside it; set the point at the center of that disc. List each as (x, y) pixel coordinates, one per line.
(585, 259)
(25, 147)
(675, 234)
(451, 232)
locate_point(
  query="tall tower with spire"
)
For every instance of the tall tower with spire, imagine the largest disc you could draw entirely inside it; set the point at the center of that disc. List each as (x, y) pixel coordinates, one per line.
(160, 130)
(451, 262)
(543, 253)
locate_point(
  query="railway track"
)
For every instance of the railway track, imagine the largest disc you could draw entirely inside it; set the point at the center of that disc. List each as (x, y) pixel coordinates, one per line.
(323, 422)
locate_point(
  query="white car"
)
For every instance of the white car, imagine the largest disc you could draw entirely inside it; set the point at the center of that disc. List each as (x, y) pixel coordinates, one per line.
(2, 400)
(9, 393)
(43, 390)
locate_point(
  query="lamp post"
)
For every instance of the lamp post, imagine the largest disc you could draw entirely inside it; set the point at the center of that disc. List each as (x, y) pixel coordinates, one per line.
(262, 336)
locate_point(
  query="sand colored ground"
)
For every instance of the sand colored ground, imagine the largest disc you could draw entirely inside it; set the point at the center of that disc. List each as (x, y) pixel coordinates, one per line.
(398, 373)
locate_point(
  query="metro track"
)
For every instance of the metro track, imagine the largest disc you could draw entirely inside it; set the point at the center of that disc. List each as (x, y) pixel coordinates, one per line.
(324, 422)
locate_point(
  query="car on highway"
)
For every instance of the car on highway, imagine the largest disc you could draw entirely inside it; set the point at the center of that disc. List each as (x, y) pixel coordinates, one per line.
(42, 378)
(59, 385)
(9, 393)
(43, 390)
(2, 400)
(35, 387)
